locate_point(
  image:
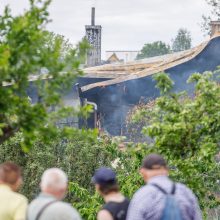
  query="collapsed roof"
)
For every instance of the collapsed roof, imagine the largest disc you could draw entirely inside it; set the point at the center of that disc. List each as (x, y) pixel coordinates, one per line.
(117, 73)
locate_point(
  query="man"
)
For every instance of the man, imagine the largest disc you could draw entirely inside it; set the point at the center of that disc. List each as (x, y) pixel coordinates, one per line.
(116, 205)
(13, 205)
(48, 205)
(149, 202)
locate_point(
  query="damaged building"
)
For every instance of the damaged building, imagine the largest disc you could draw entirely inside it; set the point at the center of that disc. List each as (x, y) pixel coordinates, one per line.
(116, 88)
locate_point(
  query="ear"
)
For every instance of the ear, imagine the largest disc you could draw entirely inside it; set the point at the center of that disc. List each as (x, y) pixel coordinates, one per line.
(142, 172)
(145, 174)
(16, 186)
(97, 187)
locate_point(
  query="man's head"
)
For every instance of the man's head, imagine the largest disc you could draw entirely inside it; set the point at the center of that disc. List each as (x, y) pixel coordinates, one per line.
(153, 165)
(54, 182)
(10, 174)
(105, 181)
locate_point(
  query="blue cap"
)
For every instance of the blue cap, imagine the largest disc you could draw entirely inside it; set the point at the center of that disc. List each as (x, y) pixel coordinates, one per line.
(104, 175)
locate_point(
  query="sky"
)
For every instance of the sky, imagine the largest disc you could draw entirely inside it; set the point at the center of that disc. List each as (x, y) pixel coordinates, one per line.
(126, 24)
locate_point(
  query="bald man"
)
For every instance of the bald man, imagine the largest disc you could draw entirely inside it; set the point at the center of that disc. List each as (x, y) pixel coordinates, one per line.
(48, 205)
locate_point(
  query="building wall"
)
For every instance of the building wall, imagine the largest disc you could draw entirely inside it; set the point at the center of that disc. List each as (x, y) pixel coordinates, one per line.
(69, 98)
(114, 101)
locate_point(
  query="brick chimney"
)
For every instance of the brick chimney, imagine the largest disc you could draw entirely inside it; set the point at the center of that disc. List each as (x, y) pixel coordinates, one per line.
(215, 27)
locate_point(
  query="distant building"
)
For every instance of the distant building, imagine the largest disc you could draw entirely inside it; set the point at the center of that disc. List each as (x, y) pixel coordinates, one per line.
(215, 27)
(94, 36)
(123, 55)
(113, 59)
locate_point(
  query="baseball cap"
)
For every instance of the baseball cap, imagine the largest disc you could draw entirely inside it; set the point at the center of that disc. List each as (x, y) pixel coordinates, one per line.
(104, 175)
(153, 161)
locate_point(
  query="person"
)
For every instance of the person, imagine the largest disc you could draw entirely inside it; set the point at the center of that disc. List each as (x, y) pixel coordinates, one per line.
(116, 205)
(150, 201)
(13, 205)
(48, 205)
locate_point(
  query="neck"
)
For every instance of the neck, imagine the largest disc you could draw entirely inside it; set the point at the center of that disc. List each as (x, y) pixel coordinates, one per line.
(158, 175)
(113, 197)
(6, 184)
(53, 194)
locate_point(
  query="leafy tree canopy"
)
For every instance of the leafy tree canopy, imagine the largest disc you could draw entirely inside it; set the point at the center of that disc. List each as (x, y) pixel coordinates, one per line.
(154, 49)
(182, 41)
(27, 52)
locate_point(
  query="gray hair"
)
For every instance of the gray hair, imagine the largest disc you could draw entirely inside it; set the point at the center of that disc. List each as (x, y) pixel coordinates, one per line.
(53, 178)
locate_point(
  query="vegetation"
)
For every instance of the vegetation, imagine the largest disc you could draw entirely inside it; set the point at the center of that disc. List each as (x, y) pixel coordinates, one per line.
(182, 41)
(214, 16)
(79, 154)
(156, 48)
(185, 130)
(29, 52)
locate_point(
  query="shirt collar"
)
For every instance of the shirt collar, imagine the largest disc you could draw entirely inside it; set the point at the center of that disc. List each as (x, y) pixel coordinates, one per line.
(5, 186)
(158, 179)
(46, 195)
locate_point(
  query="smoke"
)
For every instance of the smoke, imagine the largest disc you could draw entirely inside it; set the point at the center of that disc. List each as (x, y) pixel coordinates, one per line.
(116, 100)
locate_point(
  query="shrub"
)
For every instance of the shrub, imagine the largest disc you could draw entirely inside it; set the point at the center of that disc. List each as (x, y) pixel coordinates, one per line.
(78, 155)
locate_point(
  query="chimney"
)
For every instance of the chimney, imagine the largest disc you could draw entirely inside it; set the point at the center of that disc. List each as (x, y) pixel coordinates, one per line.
(93, 17)
(215, 27)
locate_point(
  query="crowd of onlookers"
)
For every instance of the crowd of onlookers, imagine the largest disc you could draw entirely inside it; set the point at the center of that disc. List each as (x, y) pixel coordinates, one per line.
(159, 199)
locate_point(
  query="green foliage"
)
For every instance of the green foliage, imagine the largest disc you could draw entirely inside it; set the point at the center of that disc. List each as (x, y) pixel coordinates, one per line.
(164, 83)
(182, 41)
(126, 164)
(154, 49)
(29, 52)
(186, 131)
(213, 16)
(78, 155)
(87, 203)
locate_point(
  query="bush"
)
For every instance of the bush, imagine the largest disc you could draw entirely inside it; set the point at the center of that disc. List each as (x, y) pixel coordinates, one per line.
(186, 131)
(78, 156)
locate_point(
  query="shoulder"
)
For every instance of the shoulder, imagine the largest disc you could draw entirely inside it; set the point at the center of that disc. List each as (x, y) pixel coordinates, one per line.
(104, 215)
(63, 207)
(144, 192)
(184, 188)
(20, 198)
(187, 192)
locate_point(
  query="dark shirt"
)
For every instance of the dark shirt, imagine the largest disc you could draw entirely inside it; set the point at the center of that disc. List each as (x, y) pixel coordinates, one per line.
(118, 210)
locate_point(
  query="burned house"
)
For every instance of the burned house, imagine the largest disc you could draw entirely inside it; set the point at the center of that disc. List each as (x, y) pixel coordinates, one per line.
(116, 88)
(113, 89)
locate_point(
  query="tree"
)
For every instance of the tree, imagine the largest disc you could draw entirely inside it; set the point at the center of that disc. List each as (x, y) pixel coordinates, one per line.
(154, 49)
(182, 41)
(28, 51)
(186, 131)
(214, 15)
